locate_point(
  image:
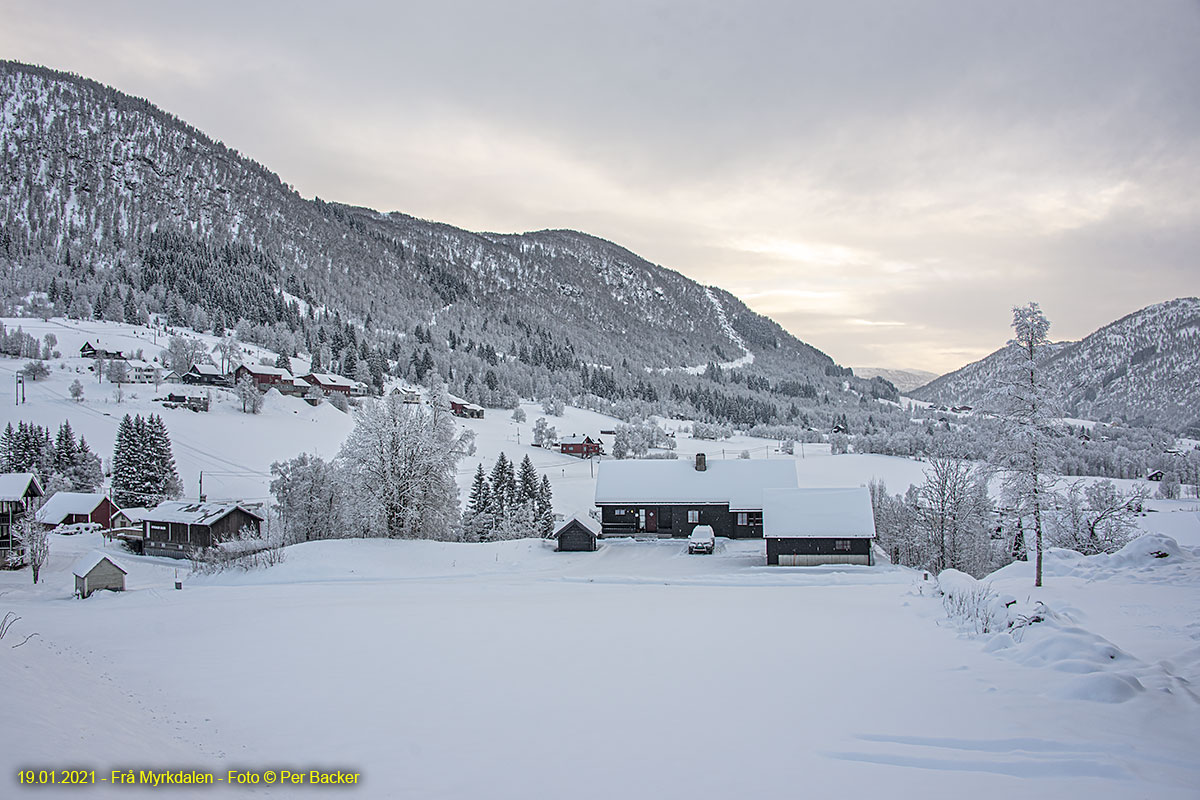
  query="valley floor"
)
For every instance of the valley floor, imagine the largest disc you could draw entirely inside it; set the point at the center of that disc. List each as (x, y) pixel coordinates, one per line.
(507, 670)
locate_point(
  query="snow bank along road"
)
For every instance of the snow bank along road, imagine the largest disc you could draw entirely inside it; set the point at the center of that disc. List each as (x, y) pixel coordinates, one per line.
(507, 670)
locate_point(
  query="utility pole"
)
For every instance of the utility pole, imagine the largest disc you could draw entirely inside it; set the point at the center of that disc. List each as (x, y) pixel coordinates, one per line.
(201, 485)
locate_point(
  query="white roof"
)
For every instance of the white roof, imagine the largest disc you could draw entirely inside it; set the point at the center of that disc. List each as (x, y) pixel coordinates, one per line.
(739, 482)
(817, 513)
(135, 514)
(329, 379)
(583, 519)
(299, 382)
(87, 563)
(62, 504)
(264, 369)
(575, 438)
(193, 512)
(205, 369)
(14, 485)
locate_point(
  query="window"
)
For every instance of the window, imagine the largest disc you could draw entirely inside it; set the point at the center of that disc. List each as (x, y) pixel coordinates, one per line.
(693, 515)
(618, 512)
(743, 518)
(841, 544)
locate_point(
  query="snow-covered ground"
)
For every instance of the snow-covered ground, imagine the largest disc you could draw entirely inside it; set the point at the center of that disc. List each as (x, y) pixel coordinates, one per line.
(509, 670)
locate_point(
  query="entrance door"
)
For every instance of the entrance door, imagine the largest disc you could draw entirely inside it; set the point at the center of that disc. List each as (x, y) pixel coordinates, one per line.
(652, 520)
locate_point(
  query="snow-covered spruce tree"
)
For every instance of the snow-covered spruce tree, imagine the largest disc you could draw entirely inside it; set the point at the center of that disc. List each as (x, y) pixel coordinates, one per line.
(527, 480)
(126, 471)
(503, 483)
(477, 519)
(399, 464)
(87, 473)
(545, 508)
(1023, 452)
(308, 498)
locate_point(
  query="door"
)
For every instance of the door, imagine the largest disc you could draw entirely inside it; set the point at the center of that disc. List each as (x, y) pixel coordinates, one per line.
(652, 520)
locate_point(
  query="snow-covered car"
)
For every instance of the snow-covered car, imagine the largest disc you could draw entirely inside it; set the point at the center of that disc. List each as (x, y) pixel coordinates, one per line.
(702, 540)
(78, 527)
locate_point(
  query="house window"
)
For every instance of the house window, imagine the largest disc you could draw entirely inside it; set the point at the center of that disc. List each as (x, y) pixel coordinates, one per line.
(743, 518)
(618, 512)
(693, 515)
(841, 544)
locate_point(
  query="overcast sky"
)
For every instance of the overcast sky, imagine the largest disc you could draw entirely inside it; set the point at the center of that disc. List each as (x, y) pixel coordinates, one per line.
(885, 179)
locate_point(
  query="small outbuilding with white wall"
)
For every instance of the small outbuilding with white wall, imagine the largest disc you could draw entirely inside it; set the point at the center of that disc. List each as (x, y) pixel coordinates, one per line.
(805, 527)
(98, 571)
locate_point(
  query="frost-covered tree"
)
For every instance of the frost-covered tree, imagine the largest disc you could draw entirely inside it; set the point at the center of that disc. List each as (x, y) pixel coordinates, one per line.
(31, 537)
(1023, 451)
(183, 352)
(1168, 487)
(76, 390)
(1097, 518)
(400, 462)
(951, 516)
(518, 414)
(308, 498)
(504, 486)
(477, 519)
(528, 482)
(117, 371)
(553, 407)
(545, 508)
(247, 392)
(143, 467)
(544, 435)
(35, 370)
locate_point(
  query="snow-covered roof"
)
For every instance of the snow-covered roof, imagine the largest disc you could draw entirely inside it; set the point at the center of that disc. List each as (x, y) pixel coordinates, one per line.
(300, 383)
(138, 363)
(193, 512)
(62, 504)
(739, 482)
(330, 379)
(817, 513)
(88, 563)
(15, 485)
(205, 369)
(592, 526)
(264, 369)
(135, 514)
(575, 438)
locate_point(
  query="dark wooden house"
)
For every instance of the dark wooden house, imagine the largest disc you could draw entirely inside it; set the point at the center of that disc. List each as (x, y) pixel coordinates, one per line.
(266, 377)
(577, 535)
(580, 446)
(805, 527)
(18, 493)
(98, 350)
(72, 508)
(206, 375)
(329, 383)
(667, 498)
(177, 527)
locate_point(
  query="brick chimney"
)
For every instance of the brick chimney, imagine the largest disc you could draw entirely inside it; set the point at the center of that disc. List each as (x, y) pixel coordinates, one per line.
(700, 463)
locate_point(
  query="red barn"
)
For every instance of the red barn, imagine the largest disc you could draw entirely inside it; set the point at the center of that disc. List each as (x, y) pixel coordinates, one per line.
(70, 508)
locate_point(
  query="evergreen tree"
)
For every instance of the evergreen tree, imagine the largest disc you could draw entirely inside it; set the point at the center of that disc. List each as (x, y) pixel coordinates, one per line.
(528, 485)
(126, 484)
(545, 508)
(161, 462)
(503, 485)
(66, 451)
(87, 474)
(8, 441)
(480, 497)
(283, 362)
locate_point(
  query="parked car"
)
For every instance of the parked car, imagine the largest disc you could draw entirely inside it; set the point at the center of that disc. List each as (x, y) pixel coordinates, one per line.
(78, 527)
(702, 540)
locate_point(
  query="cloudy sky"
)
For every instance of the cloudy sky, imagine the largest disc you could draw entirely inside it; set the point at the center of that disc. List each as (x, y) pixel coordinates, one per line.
(885, 179)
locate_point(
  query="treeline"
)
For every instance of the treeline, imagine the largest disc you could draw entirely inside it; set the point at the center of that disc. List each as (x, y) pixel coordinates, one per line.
(61, 463)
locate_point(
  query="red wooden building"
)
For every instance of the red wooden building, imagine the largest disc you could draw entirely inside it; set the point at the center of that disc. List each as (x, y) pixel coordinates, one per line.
(581, 446)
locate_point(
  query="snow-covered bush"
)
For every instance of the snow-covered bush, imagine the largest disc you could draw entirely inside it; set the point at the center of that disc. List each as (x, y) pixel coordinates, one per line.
(973, 603)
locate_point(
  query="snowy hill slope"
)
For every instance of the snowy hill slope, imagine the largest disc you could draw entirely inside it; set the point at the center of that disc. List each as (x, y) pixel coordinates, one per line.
(89, 173)
(1142, 368)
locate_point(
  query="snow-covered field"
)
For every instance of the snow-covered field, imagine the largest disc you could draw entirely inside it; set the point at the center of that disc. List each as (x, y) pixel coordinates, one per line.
(508, 670)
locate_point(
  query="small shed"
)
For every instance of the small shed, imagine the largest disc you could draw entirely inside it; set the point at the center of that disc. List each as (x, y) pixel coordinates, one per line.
(577, 535)
(98, 571)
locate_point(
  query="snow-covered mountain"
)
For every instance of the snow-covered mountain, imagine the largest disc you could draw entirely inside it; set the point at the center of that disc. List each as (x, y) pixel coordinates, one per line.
(1143, 368)
(88, 173)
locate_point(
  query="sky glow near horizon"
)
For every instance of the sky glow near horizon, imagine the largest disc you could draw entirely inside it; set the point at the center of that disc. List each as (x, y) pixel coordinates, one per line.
(885, 180)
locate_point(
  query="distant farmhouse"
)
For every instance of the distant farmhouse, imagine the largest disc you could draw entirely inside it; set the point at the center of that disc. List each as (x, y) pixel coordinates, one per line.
(72, 508)
(100, 350)
(18, 491)
(670, 497)
(206, 375)
(328, 383)
(461, 408)
(177, 527)
(266, 377)
(804, 527)
(580, 446)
